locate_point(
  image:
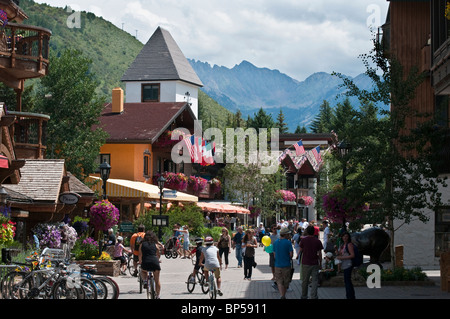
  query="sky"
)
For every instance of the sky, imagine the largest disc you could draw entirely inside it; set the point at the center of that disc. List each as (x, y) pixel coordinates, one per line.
(296, 37)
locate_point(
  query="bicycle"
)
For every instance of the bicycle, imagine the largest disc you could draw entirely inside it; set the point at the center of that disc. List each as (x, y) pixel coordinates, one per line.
(171, 248)
(106, 287)
(191, 282)
(149, 285)
(44, 283)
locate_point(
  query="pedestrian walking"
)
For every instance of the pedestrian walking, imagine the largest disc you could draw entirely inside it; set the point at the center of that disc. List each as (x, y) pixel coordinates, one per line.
(311, 250)
(345, 255)
(224, 245)
(283, 253)
(249, 243)
(185, 248)
(237, 245)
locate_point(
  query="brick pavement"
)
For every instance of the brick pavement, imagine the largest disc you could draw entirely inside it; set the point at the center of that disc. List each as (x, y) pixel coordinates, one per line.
(175, 273)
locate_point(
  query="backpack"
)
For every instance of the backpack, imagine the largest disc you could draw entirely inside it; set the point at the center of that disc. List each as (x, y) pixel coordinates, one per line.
(137, 243)
(358, 259)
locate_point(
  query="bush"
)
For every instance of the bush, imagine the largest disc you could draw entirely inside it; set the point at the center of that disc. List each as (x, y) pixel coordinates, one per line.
(399, 274)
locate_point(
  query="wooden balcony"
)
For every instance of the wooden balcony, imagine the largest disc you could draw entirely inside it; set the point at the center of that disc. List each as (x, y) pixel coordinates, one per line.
(24, 53)
(29, 132)
(440, 69)
(299, 192)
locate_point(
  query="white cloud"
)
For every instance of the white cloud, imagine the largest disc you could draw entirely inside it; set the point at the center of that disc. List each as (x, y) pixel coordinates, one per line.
(296, 37)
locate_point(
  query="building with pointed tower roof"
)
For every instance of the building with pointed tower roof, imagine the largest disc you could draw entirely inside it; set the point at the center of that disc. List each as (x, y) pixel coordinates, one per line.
(161, 73)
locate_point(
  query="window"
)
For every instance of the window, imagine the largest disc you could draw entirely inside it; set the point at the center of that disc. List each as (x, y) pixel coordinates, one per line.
(442, 236)
(150, 92)
(441, 110)
(147, 161)
(100, 159)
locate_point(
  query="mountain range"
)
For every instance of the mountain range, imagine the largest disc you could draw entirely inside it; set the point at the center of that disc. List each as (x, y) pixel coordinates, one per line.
(248, 88)
(244, 87)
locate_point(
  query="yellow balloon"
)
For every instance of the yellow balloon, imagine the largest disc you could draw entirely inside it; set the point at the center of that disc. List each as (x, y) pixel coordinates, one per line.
(266, 241)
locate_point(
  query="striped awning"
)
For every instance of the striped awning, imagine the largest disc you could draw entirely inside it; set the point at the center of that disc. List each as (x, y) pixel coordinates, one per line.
(133, 189)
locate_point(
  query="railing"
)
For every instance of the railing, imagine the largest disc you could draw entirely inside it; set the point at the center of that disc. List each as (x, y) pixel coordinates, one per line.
(29, 132)
(24, 42)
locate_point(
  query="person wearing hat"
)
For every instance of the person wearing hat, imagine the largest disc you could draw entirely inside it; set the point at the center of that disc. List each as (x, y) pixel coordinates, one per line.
(311, 250)
(283, 253)
(329, 268)
(119, 249)
(211, 260)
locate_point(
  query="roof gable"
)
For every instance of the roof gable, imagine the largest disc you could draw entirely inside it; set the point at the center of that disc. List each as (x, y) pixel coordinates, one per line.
(144, 122)
(161, 60)
(40, 179)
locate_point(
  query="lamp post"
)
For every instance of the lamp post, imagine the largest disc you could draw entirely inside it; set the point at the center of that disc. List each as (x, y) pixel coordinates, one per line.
(344, 149)
(161, 181)
(105, 169)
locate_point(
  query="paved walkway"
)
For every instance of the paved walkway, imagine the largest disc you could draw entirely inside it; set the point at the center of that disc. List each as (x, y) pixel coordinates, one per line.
(175, 273)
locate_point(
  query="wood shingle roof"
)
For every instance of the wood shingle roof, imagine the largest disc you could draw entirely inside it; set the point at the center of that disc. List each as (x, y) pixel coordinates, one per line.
(161, 60)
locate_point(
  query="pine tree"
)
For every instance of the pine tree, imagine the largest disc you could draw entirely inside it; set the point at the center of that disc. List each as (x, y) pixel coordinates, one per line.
(282, 126)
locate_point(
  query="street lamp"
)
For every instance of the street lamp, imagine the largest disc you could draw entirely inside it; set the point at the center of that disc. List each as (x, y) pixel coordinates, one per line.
(344, 149)
(3, 195)
(105, 169)
(161, 182)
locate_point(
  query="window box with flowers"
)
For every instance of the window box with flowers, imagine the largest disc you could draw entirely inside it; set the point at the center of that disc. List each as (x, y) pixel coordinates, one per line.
(306, 200)
(216, 185)
(7, 227)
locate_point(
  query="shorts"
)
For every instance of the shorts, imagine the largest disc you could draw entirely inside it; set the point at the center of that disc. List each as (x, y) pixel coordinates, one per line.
(122, 259)
(151, 266)
(283, 276)
(216, 272)
(186, 245)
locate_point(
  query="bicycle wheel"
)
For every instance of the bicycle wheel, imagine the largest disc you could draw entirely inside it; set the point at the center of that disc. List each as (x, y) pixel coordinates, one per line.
(168, 253)
(130, 266)
(112, 287)
(174, 254)
(15, 285)
(205, 288)
(191, 283)
(153, 287)
(90, 290)
(62, 291)
(212, 287)
(102, 289)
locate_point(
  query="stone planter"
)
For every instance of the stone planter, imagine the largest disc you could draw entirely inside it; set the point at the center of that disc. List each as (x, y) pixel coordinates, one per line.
(104, 267)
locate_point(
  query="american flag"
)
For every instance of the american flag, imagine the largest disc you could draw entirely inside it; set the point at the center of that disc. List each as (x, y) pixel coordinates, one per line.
(189, 144)
(316, 153)
(299, 149)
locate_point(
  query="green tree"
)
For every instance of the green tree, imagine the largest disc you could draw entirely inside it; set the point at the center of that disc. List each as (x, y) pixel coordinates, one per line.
(74, 110)
(323, 121)
(281, 124)
(391, 166)
(300, 129)
(261, 120)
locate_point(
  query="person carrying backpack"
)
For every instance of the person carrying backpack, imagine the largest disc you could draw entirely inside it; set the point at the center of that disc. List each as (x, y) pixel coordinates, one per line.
(135, 242)
(346, 254)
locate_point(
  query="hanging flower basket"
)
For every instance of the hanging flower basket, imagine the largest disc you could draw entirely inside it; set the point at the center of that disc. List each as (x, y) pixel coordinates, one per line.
(306, 200)
(216, 185)
(286, 196)
(103, 215)
(198, 184)
(3, 18)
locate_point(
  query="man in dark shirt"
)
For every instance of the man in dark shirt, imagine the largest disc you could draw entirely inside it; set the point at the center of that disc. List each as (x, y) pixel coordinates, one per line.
(311, 250)
(237, 244)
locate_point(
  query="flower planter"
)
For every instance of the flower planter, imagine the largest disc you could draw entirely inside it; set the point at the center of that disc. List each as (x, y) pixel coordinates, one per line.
(104, 267)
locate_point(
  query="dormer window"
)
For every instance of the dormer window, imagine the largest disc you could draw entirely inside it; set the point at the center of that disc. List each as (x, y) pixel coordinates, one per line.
(150, 92)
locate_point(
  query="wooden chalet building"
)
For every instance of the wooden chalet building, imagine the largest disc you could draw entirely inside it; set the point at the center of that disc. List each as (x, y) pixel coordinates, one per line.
(33, 184)
(417, 34)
